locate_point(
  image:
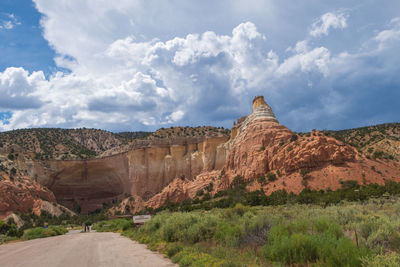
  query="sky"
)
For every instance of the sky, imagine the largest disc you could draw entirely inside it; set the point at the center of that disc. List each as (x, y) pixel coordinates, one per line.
(133, 65)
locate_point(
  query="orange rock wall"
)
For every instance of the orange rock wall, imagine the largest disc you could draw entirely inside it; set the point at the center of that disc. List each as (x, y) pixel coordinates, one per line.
(140, 172)
(258, 102)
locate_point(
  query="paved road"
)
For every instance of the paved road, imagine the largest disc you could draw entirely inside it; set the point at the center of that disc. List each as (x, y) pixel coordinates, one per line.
(80, 250)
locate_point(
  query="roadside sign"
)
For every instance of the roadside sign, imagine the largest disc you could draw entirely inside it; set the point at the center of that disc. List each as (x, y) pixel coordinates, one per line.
(141, 219)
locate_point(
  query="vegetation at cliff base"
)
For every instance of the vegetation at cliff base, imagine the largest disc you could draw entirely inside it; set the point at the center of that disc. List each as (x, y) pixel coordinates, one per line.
(9, 231)
(357, 225)
(350, 191)
(347, 234)
(41, 232)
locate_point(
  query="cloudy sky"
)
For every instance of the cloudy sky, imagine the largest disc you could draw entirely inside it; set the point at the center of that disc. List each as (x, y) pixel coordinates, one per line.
(141, 65)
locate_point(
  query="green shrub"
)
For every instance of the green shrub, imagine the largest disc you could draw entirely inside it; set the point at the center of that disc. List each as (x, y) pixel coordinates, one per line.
(261, 179)
(14, 231)
(271, 176)
(378, 154)
(255, 230)
(294, 244)
(113, 225)
(173, 249)
(379, 233)
(322, 225)
(304, 172)
(239, 209)
(190, 257)
(382, 260)
(209, 187)
(4, 227)
(199, 193)
(227, 234)
(44, 232)
(237, 181)
(186, 227)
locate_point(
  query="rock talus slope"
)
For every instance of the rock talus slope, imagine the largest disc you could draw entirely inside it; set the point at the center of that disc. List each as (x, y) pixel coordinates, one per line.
(21, 193)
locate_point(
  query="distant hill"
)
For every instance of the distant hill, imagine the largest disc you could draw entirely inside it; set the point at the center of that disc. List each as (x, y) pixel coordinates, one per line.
(62, 144)
(134, 135)
(56, 143)
(188, 132)
(379, 141)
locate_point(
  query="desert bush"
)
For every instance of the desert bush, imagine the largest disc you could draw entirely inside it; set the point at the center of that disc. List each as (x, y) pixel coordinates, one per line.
(378, 154)
(14, 231)
(172, 249)
(261, 179)
(304, 172)
(271, 176)
(239, 209)
(5, 238)
(227, 234)
(44, 232)
(293, 243)
(183, 227)
(195, 258)
(4, 227)
(382, 260)
(327, 230)
(113, 225)
(255, 230)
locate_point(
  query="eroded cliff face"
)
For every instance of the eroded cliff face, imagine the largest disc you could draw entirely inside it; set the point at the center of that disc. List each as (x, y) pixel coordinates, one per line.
(21, 193)
(266, 145)
(141, 172)
(260, 145)
(152, 172)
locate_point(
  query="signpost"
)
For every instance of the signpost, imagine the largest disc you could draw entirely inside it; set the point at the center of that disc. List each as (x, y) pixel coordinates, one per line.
(141, 219)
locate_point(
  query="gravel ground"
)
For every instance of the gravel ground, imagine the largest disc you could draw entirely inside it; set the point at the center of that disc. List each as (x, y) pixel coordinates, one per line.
(79, 250)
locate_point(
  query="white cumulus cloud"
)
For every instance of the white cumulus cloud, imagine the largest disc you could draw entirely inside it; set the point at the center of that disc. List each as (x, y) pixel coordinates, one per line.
(120, 79)
(335, 20)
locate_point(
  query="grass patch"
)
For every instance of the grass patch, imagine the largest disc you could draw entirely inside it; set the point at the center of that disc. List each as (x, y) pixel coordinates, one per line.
(345, 234)
(44, 232)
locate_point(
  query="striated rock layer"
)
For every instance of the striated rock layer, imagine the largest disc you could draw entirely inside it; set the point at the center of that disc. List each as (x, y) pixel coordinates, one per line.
(259, 145)
(20, 193)
(141, 172)
(153, 172)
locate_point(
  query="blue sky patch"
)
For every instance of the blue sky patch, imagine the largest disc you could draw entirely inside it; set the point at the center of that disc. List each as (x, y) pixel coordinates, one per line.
(5, 117)
(143, 65)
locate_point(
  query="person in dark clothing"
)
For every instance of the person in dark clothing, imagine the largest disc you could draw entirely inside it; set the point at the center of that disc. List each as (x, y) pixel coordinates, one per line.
(87, 225)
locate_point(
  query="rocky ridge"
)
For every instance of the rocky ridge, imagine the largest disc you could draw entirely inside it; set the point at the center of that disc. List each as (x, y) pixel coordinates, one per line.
(269, 156)
(174, 164)
(380, 141)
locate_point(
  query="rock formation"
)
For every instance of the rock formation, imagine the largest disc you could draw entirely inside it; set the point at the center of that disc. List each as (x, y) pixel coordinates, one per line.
(21, 193)
(141, 172)
(152, 172)
(260, 146)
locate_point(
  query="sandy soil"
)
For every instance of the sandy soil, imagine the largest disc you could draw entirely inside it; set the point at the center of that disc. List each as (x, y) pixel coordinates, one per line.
(80, 250)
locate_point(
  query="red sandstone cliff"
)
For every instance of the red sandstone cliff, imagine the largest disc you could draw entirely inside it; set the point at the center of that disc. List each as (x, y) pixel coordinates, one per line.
(154, 172)
(141, 172)
(260, 145)
(21, 193)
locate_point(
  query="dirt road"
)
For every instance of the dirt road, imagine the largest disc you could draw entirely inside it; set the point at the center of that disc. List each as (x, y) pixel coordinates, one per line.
(80, 250)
